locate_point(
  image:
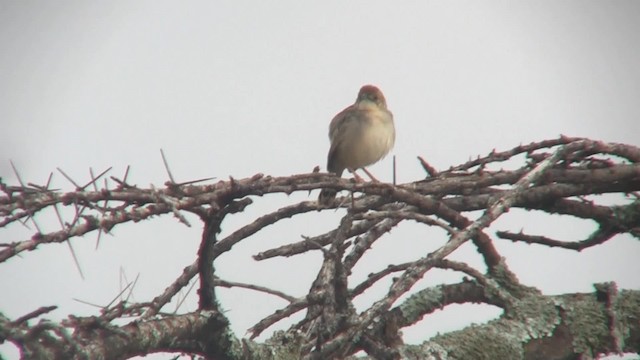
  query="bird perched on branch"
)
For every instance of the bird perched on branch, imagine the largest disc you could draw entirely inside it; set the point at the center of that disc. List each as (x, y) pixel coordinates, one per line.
(360, 135)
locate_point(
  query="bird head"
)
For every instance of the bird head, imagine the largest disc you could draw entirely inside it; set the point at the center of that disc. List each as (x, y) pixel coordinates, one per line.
(372, 94)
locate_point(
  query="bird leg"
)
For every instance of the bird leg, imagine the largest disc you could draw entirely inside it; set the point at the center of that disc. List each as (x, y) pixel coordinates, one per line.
(373, 178)
(359, 179)
(356, 177)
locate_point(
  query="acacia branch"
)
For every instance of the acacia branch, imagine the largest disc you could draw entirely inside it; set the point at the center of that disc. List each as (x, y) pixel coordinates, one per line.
(557, 177)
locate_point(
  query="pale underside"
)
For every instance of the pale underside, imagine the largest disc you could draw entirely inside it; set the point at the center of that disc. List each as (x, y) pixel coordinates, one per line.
(363, 139)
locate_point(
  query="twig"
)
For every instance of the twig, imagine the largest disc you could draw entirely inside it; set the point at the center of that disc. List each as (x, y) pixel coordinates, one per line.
(230, 284)
(33, 314)
(427, 167)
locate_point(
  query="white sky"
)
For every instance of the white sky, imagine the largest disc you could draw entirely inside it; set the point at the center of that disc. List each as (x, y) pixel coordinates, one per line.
(231, 88)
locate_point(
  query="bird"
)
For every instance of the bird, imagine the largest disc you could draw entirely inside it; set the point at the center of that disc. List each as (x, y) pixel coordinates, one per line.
(360, 135)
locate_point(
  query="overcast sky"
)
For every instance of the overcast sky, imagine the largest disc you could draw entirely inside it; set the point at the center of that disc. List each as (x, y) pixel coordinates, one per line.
(234, 88)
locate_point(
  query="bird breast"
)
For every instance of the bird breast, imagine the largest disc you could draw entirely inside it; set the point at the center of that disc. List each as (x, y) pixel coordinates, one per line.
(372, 137)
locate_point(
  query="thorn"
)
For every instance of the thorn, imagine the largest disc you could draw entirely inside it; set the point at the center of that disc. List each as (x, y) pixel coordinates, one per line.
(98, 238)
(66, 230)
(166, 166)
(69, 178)
(87, 303)
(24, 222)
(193, 181)
(122, 184)
(15, 171)
(117, 296)
(193, 284)
(75, 258)
(37, 187)
(49, 180)
(132, 287)
(94, 179)
(33, 220)
(126, 174)
(394, 170)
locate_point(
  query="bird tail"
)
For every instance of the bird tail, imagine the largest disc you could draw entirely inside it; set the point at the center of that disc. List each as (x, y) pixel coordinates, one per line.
(326, 196)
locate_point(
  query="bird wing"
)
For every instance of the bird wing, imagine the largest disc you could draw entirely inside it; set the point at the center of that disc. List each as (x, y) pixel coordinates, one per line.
(338, 125)
(338, 122)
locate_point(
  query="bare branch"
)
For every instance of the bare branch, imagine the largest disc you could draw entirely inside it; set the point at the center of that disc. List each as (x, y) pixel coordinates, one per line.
(559, 176)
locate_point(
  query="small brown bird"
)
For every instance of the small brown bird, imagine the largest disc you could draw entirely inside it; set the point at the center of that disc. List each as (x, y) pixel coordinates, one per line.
(360, 135)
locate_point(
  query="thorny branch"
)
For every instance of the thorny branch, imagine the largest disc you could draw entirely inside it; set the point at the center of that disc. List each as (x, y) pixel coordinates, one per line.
(558, 177)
